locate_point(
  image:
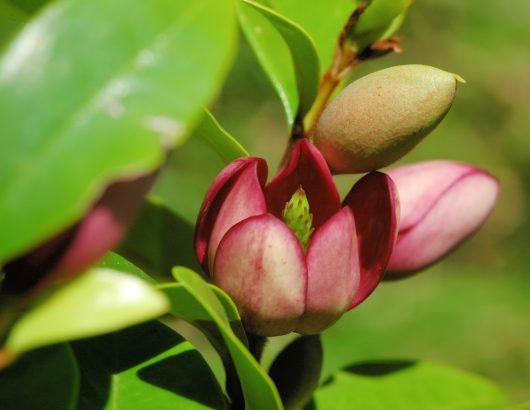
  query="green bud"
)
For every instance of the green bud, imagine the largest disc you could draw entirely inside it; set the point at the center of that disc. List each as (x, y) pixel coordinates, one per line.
(377, 119)
(297, 217)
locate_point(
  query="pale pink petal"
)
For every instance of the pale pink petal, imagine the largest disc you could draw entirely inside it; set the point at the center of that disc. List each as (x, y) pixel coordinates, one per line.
(214, 199)
(243, 199)
(451, 212)
(261, 265)
(333, 273)
(307, 168)
(375, 207)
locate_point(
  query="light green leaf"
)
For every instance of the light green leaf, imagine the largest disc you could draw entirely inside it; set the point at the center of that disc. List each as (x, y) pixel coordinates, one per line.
(159, 240)
(322, 19)
(258, 389)
(218, 139)
(407, 385)
(146, 367)
(46, 379)
(303, 52)
(382, 17)
(100, 301)
(76, 117)
(119, 263)
(273, 55)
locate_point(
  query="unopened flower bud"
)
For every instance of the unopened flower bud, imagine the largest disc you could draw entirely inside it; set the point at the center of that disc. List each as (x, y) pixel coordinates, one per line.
(379, 118)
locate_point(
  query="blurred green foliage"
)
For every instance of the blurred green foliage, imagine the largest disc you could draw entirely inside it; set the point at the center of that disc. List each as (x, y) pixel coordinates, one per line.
(472, 310)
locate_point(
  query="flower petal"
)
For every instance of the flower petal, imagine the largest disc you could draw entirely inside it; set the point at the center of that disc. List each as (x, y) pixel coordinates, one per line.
(260, 264)
(244, 199)
(439, 215)
(375, 207)
(333, 272)
(215, 198)
(307, 168)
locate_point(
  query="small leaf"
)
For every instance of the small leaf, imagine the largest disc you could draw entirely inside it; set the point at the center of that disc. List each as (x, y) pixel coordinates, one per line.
(323, 20)
(381, 18)
(221, 141)
(115, 105)
(145, 367)
(406, 385)
(100, 301)
(119, 263)
(296, 371)
(45, 379)
(303, 52)
(159, 240)
(258, 389)
(273, 55)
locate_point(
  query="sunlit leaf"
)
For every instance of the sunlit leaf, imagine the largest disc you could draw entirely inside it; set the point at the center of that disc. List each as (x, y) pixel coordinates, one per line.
(226, 146)
(145, 367)
(407, 385)
(100, 301)
(303, 52)
(258, 389)
(81, 105)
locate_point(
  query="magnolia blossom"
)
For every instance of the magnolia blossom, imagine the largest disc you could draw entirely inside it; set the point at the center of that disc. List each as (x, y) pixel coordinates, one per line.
(72, 251)
(289, 268)
(442, 203)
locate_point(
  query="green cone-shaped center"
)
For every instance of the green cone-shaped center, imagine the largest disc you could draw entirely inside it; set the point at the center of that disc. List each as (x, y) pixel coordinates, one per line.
(297, 217)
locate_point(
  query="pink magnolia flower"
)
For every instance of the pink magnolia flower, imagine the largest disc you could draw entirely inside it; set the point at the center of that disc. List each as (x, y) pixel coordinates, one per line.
(251, 253)
(75, 249)
(442, 203)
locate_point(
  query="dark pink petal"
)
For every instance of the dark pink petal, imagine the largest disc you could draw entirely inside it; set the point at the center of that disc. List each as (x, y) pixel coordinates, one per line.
(443, 202)
(215, 197)
(333, 272)
(75, 249)
(307, 168)
(244, 199)
(375, 207)
(261, 265)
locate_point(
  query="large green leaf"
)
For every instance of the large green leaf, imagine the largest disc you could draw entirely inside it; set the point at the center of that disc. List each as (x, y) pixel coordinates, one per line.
(100, 301)
(323, 20)
(303, 52)
(95, 91)
(146, 367)
(192, 292)
(273, 55)
(159, 240)
(406, 385)
(226, 146)
(119, 263)
(45, 379)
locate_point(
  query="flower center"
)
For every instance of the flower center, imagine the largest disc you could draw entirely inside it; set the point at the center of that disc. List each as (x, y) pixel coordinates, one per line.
(297, 217)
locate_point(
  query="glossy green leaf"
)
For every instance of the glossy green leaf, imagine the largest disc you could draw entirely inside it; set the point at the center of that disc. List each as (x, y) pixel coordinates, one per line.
(406, 385)
(381, 17)
(296, 371)
(303, 52)
(100, 301)
(273, 55)
(146, 367)
(258, 389)
(45, 379)
(226, 146)
(119, 263)
(11, 19)
(322, 19)
(159, 240)
(87, 115)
